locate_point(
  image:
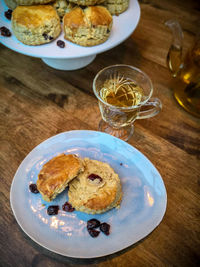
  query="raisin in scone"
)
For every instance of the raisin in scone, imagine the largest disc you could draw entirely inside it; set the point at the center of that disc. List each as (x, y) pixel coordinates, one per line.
(56, 174)
(89, 26)
(97, 189)
(35, 25)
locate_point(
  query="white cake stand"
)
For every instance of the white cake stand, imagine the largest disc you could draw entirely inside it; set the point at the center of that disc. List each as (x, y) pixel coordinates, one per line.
(73, 56)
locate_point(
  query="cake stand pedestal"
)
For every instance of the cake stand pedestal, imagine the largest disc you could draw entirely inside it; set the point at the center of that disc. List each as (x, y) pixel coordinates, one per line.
(68, 63)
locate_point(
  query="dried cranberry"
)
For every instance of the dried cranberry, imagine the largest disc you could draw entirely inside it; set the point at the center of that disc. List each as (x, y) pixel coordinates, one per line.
(68, 207)
(45, 36)
(8, 14)
(93, 176)
(33, 188)
(93, 223)
(93, 232)
(5, 32)
(53, 210)
(60, 43)
(105, 228)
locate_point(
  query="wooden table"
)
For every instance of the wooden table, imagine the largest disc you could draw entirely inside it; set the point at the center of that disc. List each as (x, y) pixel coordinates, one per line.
(37, 102)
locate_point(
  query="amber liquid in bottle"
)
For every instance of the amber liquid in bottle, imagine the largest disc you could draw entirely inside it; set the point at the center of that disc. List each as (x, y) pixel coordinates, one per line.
(187, 92)
(174, 60)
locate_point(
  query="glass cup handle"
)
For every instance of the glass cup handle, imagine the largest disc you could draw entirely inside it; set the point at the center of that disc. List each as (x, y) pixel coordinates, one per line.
(152, 108)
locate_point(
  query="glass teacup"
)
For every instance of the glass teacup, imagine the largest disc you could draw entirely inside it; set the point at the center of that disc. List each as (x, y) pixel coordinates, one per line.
(124, 95)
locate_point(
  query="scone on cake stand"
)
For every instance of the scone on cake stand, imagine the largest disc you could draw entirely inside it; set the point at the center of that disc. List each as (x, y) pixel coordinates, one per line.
(74, 56)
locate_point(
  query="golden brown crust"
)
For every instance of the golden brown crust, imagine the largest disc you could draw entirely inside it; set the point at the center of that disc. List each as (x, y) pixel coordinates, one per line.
(87, 27)
(91, 16)
(33, 16)
(35, 25)
(98, 15)
(56, 174)
(74, 18)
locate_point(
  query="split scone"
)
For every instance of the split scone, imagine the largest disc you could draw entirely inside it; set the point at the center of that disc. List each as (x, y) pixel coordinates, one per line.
(97, 189)
(11, 4)
(87, 2)
(116, 7)
(35, 25)
(32, 2)
(56, 174)
(89, 26)
(62, 7)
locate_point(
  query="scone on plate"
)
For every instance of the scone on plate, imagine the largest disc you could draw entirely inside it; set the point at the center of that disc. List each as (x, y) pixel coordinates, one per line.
(97, 189)
(63, 6)
(56, 174)
(116, 7)
(89, 26)
(32, 2)
(87, 2)
(35, 25)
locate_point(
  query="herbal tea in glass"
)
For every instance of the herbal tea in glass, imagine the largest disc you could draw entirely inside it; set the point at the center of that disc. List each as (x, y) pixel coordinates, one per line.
(122, 90)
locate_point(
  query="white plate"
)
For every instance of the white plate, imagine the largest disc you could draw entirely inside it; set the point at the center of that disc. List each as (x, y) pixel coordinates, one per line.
(142, 208)
(123, 26)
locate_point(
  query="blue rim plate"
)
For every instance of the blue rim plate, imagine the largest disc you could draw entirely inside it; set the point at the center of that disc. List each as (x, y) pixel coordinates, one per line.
(142, 208)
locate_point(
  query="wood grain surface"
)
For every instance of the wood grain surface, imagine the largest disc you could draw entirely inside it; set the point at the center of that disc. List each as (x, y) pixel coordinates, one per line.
(37, 102)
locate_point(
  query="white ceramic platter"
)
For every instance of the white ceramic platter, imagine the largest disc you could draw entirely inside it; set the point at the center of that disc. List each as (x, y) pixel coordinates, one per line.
(74, 56)
(142, 207)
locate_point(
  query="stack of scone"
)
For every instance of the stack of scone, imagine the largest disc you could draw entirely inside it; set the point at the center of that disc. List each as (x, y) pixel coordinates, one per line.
(85, 22)
(94, 187)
